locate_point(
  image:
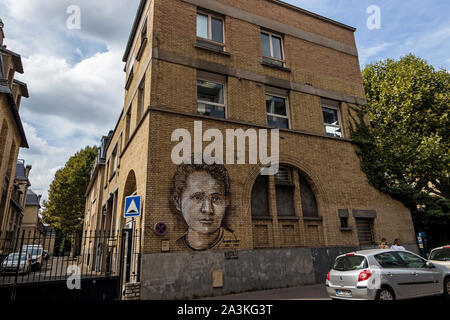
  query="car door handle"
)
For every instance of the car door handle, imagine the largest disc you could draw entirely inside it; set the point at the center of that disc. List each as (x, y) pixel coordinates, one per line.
(414, 273)
(389, 274)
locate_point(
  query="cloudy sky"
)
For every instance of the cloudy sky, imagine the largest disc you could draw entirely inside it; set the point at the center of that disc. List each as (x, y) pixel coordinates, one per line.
(75, 76)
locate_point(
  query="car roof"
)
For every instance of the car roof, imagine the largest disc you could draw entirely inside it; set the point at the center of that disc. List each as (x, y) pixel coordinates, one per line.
(372, 252)
(443, 247)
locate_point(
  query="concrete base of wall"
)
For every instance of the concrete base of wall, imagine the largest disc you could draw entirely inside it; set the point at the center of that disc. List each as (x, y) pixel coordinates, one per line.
(185, 275)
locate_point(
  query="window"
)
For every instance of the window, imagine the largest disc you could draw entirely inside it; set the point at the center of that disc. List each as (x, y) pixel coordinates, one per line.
(364, 228)
(114, 160)
(210, 30)
(144, 39)
(141, 100)
(350, 263)
(344, 222)
(127, 125)
(272, 49)
(260, 204)
(309, 203)
(332, 118)
(130, 71)
(388, 260)
(411, 260)
(284, 190)
(211, 95)
(277, 111)
(144, 30)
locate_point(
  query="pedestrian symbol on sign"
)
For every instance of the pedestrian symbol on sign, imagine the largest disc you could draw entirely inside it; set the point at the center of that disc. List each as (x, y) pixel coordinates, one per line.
(132, 206)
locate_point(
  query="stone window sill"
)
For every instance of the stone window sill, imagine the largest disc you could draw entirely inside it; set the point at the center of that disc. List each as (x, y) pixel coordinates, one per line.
(312, 218)
(201, 46)
(266, 64)
(262, 218)
(289, 218)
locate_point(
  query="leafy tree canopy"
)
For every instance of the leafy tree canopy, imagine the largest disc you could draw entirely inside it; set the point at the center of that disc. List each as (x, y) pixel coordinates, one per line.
(64, 209)
(405, 145)
(408, 108)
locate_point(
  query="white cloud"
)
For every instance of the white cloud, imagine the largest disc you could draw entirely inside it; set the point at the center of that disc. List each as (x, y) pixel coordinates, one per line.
(371, 52)
(75, 77)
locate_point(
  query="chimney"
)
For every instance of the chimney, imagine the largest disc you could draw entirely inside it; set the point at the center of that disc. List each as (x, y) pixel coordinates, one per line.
(39, 198)
(27, 170)
(2, 35)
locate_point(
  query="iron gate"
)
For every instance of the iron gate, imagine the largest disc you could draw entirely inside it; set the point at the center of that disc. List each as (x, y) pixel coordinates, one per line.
(82, 266)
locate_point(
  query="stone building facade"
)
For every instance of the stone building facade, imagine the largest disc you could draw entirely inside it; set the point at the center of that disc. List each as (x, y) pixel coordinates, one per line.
(250, 65)
(12, 137)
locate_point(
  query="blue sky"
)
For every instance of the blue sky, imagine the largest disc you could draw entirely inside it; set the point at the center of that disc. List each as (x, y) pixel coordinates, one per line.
(75, 77)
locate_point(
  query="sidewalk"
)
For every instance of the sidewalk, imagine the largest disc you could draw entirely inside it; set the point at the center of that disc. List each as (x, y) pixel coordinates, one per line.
(312, 292)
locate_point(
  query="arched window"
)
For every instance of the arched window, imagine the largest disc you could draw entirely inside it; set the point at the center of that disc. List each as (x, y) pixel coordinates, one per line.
(260, 204)
(285, 188)
(309, 203)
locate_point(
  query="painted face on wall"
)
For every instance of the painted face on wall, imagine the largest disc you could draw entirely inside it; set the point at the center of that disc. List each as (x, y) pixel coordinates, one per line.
(203, 203)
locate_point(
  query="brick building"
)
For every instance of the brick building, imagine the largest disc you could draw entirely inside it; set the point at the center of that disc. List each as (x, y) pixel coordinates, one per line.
(12, 137)
(230, 64)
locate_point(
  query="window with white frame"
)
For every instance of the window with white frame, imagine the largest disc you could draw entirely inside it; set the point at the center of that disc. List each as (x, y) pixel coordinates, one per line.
(332, 118)
(277, 109)
(211, 28)
(211, 97)
(272, 48)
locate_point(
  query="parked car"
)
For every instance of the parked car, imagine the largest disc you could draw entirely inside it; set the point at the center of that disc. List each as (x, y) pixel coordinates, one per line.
(10, 264)
(440, 256)
(383, 274)
(36, 255)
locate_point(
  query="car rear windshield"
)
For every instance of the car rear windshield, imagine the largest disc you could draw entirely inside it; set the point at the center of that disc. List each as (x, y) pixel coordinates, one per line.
(349, 263)
(441, 254)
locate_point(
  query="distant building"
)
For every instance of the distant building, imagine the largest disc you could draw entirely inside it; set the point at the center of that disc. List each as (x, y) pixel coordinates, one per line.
(33, 229)
(13, 182)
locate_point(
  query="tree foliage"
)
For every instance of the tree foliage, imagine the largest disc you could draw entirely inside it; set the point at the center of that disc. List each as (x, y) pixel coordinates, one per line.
(405, 147)
(64, 209)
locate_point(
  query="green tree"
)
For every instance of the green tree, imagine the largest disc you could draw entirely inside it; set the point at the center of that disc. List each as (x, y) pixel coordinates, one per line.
(405, 147)
(64, 210)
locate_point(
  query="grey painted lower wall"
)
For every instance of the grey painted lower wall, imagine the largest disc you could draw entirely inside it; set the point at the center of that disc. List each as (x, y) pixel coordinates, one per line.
(190, 275)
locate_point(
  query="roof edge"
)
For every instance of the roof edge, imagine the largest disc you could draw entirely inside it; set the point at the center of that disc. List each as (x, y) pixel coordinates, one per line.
(134, 29)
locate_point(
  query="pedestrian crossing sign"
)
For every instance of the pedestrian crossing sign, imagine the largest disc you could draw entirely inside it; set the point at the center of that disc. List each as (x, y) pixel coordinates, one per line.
(132, 206)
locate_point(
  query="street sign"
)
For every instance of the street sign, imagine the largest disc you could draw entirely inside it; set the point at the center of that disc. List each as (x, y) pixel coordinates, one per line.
(160, 228)
(132, 206)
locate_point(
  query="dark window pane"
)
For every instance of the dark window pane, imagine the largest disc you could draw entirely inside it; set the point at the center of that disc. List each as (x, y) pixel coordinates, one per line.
(411, 260)
(276, 105)
(209, 110)
(278, 122)
(265, 43)
(210, 91)
(276, 44)
(285, 200)
(330, 116)
(388, 260)
(202, 26)
(260, 206)
(309, 204)
(217, 30)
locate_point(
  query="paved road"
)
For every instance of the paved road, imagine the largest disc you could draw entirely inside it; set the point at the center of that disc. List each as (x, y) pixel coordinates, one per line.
(312, 292)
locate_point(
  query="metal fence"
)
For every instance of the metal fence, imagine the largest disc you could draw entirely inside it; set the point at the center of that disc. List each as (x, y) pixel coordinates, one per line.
(33, 257)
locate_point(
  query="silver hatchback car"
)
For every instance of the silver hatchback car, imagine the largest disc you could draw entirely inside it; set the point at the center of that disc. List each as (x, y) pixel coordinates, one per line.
(382, 274)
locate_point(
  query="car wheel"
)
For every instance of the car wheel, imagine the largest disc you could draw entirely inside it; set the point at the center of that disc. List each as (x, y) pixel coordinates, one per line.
(447, 288)
(385, 294)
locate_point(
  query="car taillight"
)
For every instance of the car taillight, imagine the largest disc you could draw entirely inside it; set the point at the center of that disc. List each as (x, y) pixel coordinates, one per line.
(328, 275)
(447, 247)
(363, 276)
(350, 254)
